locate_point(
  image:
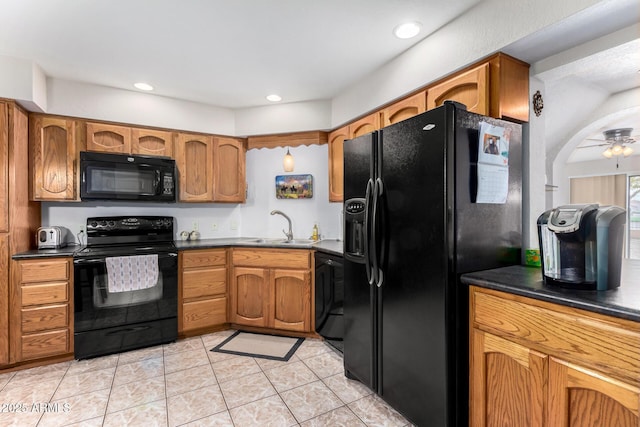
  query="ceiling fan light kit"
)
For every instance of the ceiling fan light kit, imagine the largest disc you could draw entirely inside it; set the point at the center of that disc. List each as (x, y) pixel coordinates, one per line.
(618, 140)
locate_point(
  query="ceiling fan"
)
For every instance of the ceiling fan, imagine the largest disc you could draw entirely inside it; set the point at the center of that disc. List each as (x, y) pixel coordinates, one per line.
(617, 142)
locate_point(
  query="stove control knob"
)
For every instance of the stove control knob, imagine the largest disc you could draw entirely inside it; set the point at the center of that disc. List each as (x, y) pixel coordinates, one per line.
(93, 224)
(103, 223)
(112, 224)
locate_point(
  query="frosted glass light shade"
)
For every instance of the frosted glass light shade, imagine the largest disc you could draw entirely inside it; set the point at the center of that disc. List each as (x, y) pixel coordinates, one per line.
(288, 162)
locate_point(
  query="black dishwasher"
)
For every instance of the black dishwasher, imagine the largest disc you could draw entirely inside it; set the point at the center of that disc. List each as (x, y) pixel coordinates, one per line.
(329, 298)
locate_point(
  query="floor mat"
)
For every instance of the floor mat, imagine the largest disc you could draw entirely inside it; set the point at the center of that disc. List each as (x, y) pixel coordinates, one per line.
(259, 345)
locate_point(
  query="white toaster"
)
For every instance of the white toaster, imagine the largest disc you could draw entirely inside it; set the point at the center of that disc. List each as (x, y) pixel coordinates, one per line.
(52, 237)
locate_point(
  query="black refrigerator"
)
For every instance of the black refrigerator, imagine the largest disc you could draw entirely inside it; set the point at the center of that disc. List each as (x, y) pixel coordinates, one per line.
(415, 219)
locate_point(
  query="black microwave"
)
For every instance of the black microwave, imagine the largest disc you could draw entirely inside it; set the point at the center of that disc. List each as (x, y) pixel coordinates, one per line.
(106, 176)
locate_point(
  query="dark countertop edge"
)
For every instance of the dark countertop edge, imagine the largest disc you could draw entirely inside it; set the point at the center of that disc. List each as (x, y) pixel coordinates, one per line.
(329, 246)
(542, 292)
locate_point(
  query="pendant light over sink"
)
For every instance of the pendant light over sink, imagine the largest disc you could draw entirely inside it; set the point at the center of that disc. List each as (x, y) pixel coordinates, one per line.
(288, 162)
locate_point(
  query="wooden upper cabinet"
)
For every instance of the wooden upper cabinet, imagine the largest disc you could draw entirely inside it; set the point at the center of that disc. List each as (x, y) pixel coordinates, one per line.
(470, 88)
(194, 158)
(497, 87)
(404, 109)
(229, 180)
(151, 142)
(365, 125)
(108, 138)
(336, 163)
(54, 153)
(4, 173)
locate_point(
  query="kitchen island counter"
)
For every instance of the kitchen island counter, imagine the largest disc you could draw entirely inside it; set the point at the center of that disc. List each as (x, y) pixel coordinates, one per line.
(622, 302)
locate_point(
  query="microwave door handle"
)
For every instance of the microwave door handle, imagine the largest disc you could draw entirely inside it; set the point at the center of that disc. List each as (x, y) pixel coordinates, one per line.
(158, 182)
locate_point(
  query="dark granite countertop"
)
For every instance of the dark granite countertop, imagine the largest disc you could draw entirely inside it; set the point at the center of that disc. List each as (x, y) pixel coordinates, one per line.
(330, 246)
(622, 302)
(48, 253)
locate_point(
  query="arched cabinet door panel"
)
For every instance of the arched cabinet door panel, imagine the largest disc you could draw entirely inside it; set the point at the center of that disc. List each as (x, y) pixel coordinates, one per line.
(229, 181)
(108, 138)
(250, 296)
(150, 142)
(194, 158)
(54, 158)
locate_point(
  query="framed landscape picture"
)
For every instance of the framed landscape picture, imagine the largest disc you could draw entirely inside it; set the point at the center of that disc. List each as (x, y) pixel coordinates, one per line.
(294, 186)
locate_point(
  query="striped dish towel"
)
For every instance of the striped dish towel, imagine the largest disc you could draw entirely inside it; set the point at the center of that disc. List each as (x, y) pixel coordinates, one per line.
(132, 273)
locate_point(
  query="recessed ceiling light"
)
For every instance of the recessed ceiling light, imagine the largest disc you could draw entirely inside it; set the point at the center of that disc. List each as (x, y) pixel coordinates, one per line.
(143, 86)
(274, 98)
(407, 30)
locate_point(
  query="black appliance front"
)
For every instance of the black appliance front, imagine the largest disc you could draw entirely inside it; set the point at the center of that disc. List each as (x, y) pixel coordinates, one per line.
(106, 176)
(329, 288)
(107, 322)
(407, 325)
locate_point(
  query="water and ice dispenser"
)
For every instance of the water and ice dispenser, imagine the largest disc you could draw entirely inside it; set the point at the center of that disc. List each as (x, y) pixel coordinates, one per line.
(354, 229)
(581, 246)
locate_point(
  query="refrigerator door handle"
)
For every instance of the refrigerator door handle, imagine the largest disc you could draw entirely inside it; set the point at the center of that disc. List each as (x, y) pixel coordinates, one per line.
(367, 225)
(378, 191)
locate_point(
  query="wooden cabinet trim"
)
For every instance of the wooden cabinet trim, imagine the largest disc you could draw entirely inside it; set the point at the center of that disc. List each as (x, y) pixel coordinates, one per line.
(287, 140)
(108, 138)
(598, 342)
(272, 258)
(151, 142)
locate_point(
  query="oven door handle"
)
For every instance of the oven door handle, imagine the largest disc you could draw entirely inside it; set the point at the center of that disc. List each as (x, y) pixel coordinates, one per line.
(101, 259)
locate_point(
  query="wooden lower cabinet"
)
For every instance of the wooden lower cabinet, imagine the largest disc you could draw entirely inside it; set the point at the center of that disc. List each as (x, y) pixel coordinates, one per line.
(534, 363)
(271, 288)
(203, 290)
(42, 309)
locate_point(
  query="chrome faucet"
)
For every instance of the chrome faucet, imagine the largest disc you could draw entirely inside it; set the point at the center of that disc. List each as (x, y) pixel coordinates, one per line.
(290, 233)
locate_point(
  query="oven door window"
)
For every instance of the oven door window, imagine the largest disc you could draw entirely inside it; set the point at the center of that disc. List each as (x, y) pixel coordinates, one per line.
(121, 179)
(96, 307)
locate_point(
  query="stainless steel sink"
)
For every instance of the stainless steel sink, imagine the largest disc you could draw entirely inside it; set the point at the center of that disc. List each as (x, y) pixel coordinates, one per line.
(280, 241)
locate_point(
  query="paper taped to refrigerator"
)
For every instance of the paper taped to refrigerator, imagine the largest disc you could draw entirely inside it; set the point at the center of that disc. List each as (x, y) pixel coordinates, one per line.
(493, 164)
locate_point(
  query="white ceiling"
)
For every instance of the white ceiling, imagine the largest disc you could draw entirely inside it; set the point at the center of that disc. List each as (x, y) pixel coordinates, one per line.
(234, 53)
(220, 52)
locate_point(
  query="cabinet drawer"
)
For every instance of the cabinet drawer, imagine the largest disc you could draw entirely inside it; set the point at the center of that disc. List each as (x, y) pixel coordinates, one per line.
(202, 314)
(272, 258)
(604, 343)
(44, 318)
(203, 258)
(204, 282)
(47, 293)
(44, 271)
(45, 344)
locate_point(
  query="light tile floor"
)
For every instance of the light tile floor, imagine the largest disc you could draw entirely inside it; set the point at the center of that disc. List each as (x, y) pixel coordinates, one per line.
(184, 383)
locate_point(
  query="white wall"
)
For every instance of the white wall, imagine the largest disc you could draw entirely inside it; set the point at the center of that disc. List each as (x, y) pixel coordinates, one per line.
(262, 167)
(232, 220)
(282, 118)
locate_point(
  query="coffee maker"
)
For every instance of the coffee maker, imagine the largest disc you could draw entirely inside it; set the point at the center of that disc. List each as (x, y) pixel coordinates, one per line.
(581, 246)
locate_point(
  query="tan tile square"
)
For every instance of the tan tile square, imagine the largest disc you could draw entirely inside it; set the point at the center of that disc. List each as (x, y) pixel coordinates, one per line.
(73, 385)
(270, 411)
(93, 422)
(190, 379)
(140, 355)
(235, 367)
(194, 343)
(310, 400)
(246, 389)
(289, 376)
(266, 364)
(30, 393)
(19, 419)
(79, 408)
(196, 404)
(4, 378)
(81, 366)
(311, 348)
(222, 419)
(347, 390)
(136, 371)
(215, 357)
(336, 418)
(325, 364)
(151, 414)
(136, 393)
(37, 375)
(375, 412)
(186, 359)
